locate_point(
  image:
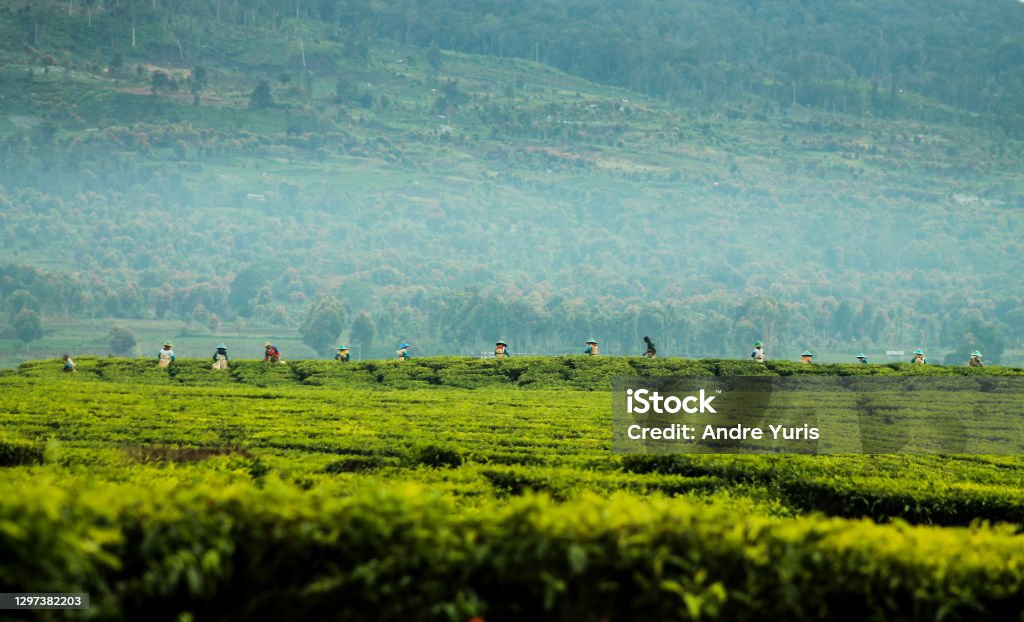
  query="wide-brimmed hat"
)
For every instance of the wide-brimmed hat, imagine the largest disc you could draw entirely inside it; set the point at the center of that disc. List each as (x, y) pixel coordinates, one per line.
(168, 344)
(861, 356)
(591, 340)
(266, 343)
(918, 351)
(404, 345)
(221, 346)
(807, 353)
(500, 343)
(757, 344)
(342, 347)
(976, 353)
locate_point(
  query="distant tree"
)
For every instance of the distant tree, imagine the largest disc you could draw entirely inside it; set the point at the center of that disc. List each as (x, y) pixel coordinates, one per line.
(345, 90)
(160, 82)
(261, 96)
(323, 324)
(244, 288)
(200, 314)
(180, 149)
(434, 57)
(28, 326)
(451, 96)
(121, 341)
(363, 331)
(197, 82)
(978, 335)
(21, 299)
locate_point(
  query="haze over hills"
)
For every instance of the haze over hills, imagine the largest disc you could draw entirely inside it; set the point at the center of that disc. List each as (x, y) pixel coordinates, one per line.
(837, 178)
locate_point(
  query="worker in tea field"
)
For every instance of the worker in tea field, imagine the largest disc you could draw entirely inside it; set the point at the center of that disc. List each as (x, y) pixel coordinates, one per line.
(975, 360)
(220, 357)
(403, 352)
(758, 352)
(342, 354)
(592, 349)
(862, 358)
(651, 352)
(806, 356)
(270, 353)
(69, 365)
(919, 358)
(501, 350)
(166, 355)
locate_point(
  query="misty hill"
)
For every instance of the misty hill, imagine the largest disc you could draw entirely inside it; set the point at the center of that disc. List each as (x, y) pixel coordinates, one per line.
(844, 177)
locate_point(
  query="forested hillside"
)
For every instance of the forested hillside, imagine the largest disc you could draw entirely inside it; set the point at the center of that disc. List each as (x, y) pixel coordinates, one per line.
(838, 177)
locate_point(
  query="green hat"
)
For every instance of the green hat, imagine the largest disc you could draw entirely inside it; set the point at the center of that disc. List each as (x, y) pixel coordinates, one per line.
(918, 351)
(591, 340)
(168, 344)
(757, 344)
(976, 353)
(342, 347)
(501, 343)
(221, 346)
(807, 353)
(861, 356)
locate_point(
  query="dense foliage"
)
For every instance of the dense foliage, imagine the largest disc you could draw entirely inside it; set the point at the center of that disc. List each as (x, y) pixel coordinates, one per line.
(449, 488)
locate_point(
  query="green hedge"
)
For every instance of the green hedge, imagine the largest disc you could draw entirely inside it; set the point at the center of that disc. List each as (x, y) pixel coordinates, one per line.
(17, 451)
(540, 372)
(220, 551)
(917, 489)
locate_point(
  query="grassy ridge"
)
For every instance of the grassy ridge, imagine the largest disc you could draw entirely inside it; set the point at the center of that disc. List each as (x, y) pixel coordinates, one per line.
(446, 488)
(549, 372)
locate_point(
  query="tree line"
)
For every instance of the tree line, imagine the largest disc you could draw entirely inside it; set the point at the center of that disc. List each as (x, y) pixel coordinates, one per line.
(850, 56)
(468, 321)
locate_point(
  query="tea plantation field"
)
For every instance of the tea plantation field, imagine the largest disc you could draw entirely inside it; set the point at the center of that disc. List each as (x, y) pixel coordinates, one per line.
(455, 488)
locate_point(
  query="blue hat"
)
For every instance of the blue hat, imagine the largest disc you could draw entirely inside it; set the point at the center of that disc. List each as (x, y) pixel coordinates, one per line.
(342, 347)
(807, 353)
(918, 351)
(404, 345)
(861, 356)
(221, 346)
